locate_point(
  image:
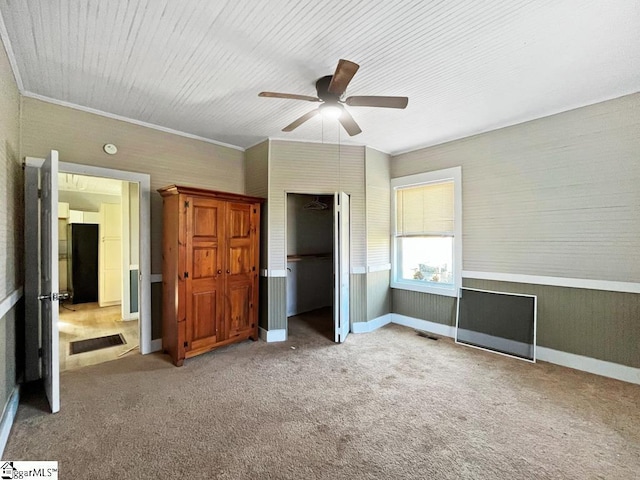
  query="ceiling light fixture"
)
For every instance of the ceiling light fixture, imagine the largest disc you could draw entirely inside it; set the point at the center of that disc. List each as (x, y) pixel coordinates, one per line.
(330, 110)
(110, 149)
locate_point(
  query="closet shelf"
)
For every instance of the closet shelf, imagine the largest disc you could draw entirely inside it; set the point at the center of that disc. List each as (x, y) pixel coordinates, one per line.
(298, 258)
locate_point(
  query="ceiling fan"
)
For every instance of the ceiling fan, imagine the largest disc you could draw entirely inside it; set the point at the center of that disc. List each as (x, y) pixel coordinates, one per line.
(330, 91)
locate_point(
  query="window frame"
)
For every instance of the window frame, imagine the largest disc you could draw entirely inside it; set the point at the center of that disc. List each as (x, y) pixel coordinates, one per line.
(437, 176)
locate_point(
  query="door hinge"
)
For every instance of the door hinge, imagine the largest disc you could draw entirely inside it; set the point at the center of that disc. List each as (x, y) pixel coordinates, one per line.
(255, 210)
(186, 204)
(54, 296)
(40, 353)
(186, 274)
(39, 193)
(186, 344)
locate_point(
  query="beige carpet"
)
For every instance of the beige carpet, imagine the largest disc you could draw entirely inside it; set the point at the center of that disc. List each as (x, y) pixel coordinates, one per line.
(385, 405)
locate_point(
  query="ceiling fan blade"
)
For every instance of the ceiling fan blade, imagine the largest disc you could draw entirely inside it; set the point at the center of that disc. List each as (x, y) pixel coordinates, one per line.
(385, 102)
(291, 96)
(349, 123)
(342, 76)
(301, 120)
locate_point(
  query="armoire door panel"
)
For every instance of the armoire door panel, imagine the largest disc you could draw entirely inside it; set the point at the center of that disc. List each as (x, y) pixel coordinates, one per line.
(205, 262)
(205, 218)
(203, 324)
(240, 257)
(239, 220)
(239, 317)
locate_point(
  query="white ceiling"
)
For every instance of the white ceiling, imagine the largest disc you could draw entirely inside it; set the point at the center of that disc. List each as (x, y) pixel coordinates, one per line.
(70, 182)
(197, 66)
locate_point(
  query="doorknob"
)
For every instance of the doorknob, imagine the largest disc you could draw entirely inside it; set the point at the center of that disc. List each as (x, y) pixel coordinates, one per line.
(219, 272)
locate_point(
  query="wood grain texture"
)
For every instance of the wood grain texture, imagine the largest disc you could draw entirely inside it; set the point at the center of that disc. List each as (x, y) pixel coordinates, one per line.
(210, 275)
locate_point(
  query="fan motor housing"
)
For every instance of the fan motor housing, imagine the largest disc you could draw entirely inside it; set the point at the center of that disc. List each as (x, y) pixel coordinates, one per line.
(322, 87)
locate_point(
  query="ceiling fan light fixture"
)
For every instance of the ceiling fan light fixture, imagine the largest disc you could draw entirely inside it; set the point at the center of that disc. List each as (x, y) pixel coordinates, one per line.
(331, 111)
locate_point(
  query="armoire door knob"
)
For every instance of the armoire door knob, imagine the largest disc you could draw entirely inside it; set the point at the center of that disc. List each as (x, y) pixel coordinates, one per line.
(219, 272)
(228, 271)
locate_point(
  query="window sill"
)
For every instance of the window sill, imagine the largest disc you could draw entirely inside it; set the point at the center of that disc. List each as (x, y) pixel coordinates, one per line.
(449, 291)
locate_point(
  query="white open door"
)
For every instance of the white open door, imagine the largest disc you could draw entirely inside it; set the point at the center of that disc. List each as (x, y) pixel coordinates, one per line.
(341, 262)
(49, 278)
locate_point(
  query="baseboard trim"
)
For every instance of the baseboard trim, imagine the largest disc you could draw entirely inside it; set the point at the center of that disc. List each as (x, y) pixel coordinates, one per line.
(543, 354)
(424, 325)
(371, 325)
(8, 303)
(590, 365)
(273, 335)
(156, 345)
(8, 416)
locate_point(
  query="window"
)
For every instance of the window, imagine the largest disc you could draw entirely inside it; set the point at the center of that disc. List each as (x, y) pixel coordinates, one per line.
(427, 232)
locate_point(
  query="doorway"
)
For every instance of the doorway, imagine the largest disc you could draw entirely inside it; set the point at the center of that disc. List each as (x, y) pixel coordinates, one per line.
(98, 240)
(41, 266)
(317, 247)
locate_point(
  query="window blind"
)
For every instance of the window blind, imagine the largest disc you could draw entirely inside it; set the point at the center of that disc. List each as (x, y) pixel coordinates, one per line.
(425, 209)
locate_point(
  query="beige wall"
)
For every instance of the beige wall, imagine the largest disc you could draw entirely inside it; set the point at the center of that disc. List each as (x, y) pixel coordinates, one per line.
(168, 158)
(11, 229)
(314, 168)
(555, 197)
(558, 196)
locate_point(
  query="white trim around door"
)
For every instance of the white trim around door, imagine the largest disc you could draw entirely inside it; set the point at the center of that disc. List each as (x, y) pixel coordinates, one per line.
(144, 180)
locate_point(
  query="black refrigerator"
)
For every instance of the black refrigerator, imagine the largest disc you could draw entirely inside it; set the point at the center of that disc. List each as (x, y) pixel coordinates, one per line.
(82, 272)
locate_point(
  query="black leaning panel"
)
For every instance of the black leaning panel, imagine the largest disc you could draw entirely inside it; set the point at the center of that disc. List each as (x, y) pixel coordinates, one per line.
(496, 321)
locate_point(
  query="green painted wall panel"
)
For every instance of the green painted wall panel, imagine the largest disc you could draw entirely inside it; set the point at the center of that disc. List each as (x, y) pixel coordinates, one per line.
(277, 302)
(378, 294)
(8, 369)
(358, 298)
(594, 323)
(133, 290)
(156, 310)
(263, 313)
(425, 306)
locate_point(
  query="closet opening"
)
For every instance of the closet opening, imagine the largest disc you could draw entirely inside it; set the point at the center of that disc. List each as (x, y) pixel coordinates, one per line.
(310, 265)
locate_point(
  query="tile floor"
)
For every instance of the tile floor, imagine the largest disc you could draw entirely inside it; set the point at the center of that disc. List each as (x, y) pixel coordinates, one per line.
(90, 321)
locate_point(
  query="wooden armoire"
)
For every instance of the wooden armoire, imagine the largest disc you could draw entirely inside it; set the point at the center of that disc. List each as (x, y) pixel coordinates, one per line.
(210, 249)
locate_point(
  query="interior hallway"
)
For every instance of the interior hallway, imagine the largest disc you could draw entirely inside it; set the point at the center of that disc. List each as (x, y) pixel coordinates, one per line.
(90, 321)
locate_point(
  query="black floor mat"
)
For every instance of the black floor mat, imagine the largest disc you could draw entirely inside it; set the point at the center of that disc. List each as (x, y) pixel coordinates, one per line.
(91, 344)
